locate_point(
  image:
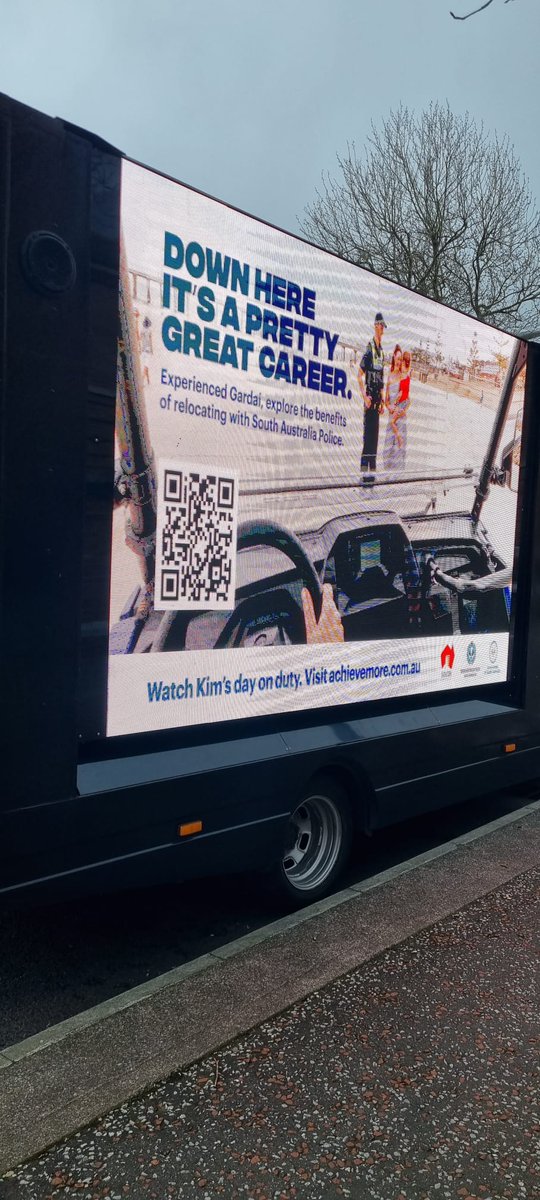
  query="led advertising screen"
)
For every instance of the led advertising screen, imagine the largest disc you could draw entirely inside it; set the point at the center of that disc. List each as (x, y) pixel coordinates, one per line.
(316, 476)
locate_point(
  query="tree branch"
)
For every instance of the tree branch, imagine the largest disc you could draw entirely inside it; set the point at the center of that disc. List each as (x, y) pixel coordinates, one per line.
(471, 14)
(474, 11)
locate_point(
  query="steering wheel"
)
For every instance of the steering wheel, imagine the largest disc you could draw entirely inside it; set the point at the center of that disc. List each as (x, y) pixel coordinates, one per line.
(269, 533)
(260, 533)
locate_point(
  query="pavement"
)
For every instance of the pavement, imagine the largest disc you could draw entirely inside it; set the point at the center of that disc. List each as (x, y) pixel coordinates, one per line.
(385, 1045)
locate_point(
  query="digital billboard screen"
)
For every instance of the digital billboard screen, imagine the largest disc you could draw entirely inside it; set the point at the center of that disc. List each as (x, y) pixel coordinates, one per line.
(316, 476)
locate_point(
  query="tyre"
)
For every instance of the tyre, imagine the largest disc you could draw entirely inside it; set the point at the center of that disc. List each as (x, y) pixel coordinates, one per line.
(317, 843)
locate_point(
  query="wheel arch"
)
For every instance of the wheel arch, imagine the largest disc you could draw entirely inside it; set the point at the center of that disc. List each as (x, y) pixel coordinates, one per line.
(355, 783)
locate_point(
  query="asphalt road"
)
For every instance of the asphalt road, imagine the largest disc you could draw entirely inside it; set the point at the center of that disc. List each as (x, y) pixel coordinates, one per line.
(58, 960)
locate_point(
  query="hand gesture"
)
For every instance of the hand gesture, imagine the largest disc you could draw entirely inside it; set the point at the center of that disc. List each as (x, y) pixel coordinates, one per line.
(329, 627)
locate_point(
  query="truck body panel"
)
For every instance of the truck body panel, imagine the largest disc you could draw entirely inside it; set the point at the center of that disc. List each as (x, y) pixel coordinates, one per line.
(79, 808)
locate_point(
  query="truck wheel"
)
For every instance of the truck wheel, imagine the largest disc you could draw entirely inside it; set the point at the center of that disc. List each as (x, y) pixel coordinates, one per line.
(318, 842)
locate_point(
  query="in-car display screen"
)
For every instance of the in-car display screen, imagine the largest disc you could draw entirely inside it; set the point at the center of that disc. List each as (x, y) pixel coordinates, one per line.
(302, 450)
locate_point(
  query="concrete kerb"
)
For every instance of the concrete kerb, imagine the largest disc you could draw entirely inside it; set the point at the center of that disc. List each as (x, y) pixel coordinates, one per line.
(119, 1048)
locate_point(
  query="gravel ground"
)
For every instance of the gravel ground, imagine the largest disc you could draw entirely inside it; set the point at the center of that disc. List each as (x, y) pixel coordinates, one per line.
(412, 1078)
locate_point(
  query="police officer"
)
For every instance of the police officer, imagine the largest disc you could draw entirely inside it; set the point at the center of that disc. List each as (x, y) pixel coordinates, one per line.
(371, 381)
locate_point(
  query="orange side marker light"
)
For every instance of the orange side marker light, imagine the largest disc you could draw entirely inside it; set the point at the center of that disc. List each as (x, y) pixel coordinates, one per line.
(190, 828)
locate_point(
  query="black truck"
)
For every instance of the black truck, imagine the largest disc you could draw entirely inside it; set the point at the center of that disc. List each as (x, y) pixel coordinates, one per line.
(281, 791)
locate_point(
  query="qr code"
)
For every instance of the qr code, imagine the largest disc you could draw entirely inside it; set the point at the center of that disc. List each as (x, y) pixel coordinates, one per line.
(197, 518)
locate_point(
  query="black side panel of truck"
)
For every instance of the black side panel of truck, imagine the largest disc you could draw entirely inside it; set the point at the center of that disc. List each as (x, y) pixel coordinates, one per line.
(59, 281)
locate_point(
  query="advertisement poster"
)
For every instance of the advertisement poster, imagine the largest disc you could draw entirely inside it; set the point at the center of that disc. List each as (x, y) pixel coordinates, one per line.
(316, 476)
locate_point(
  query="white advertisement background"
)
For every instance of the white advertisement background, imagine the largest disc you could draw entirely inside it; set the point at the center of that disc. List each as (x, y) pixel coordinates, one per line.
(439, 437)
(130, 675)
(444, 433)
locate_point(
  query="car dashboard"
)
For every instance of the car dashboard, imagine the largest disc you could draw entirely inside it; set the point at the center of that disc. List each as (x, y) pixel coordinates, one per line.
(380, 571)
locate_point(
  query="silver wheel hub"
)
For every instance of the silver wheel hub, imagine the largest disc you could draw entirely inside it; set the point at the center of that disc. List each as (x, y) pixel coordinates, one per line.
(316, 834)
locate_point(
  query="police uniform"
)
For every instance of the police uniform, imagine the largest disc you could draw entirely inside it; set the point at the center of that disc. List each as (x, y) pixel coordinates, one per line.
(372, 365)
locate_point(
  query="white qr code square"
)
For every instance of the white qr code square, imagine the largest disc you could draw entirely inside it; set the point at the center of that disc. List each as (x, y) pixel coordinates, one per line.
(197, 517)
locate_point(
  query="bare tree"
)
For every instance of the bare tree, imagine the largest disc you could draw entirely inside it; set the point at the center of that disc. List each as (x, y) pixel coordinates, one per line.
(473, 355)
(437, 205)
(474, 11)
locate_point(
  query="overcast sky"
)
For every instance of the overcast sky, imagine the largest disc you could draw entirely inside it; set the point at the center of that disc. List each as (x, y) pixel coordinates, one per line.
(250, 101)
